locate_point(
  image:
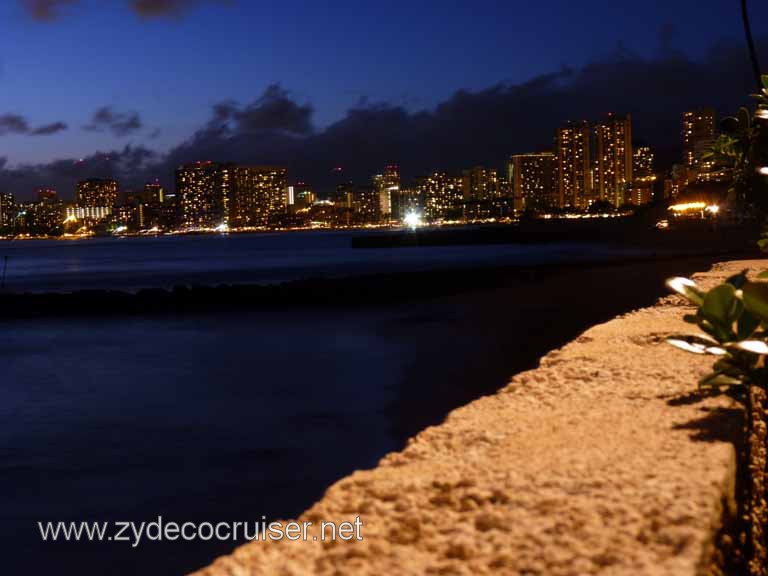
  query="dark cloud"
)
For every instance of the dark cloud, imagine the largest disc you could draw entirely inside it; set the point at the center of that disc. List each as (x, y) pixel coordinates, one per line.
(16, 124)
(45, 9)
(482, 127)
(272, 112)
(48, 129)
(13, 124)
(131, 165)
(468, 128)
(119, 123)
(164, 8)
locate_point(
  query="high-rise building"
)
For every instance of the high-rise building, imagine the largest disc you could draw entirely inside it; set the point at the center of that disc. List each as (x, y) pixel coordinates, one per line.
(387, 185)
(442, 196)
(643, 176)
(366, 205)
(699, 132)
(259, 195)
(153, 192)
(480, 184)
(483, 199)
(573, 166)
(7, 212)
(612, 163)
(533, 181)
(204, 190)
(97, 193)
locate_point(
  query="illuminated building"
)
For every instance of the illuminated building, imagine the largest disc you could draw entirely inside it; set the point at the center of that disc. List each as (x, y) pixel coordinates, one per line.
(366, 205)
(153, 193)
(699, 132)
(482, 195)
(204, 190)
(442, 195)
(301, 196)
(409, 201)
(644, 176)
(480, 184)
(40, 218)
(97, 193)
(533, 180)
(387, 186)
(7, 212)
(259, 195)
(573, 166)
(612, 163)
(86, 213)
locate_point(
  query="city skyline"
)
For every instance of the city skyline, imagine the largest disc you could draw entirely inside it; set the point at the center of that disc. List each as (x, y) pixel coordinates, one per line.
(510, 104)
(593, 167)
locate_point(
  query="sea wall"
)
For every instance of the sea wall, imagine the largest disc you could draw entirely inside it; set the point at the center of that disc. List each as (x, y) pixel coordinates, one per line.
(604, 460)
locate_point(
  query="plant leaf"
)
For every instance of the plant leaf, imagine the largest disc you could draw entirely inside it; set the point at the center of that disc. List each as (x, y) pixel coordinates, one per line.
(718, 379)
(687, 288)
(721, 305)
(755, 297)
(746, 325)
(754, 346)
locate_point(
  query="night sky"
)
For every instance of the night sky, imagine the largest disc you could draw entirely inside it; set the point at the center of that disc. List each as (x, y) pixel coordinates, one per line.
(134, 87)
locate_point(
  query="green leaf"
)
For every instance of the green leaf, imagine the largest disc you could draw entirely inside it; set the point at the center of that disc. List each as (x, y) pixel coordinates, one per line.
(686, 288)
(721, 305)
(755, 297)
(718, 379)
(764, 78)
(758, 347)
(746, 325)
(763, 274)
(763, 244)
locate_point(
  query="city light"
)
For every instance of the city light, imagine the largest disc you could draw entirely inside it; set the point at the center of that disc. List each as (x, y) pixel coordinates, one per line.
(688, 206)
(412, 220)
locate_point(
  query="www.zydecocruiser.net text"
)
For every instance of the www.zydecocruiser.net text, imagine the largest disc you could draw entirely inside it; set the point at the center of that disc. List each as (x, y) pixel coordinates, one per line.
(134, 533)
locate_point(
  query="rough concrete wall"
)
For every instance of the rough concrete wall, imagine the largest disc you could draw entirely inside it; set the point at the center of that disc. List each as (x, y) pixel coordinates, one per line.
(601, 461)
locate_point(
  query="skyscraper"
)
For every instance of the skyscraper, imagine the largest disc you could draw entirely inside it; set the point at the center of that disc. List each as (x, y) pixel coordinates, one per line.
(259, 195)
(387, 186)
(97, 193)
(480, 184)
(442, 196)
(643, 176)
(573, 165)
(612, 163)
(699, 132)
(204, 190)
(533, 180)
(7, 212)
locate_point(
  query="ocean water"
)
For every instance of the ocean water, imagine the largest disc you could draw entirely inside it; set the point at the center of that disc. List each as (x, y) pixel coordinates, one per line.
(217, 418)
(134, 263)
